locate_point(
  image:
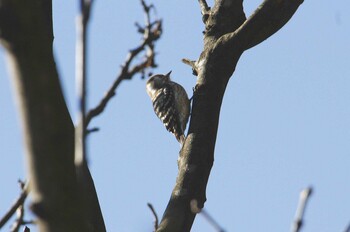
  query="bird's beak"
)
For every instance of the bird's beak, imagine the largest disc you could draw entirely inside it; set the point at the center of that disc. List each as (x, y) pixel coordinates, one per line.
(168, 74)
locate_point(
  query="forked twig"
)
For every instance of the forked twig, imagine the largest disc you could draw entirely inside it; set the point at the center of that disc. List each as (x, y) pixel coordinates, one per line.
(151, 33)
(19, 202)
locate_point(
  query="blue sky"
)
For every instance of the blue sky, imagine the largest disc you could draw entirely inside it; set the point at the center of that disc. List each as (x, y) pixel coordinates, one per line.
(284, 123)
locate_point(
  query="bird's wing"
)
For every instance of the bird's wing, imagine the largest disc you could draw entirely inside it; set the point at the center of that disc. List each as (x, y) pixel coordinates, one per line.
(165, 109)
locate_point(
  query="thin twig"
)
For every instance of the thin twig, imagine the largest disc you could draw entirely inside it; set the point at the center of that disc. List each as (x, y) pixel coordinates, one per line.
(20, 200)
(299, 215)
(18, 223)
(20, 213)
(155, 216)
(81, 76)
(211, 221)
(151, 33)
(91, 130)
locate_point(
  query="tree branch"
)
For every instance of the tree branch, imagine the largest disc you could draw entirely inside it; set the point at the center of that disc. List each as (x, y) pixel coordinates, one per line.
(212, 221)
(204, 7)
(299, 215)
(270, 16)
(193, 65)
(18, 223)
(205, 10)
(26, 33)
(347, 229)
(19, 202)
(91, 208)
(226, 16)
(151, 33)
(81, 76)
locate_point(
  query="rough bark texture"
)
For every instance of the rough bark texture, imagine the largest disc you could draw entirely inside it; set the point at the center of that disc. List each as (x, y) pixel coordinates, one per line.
(27, 35)
(228, 34)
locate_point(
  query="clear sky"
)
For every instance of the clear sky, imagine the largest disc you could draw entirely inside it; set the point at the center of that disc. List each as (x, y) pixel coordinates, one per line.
(284, 123)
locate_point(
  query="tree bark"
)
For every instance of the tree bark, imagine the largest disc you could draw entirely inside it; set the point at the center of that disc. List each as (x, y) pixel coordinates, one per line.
(228, 34)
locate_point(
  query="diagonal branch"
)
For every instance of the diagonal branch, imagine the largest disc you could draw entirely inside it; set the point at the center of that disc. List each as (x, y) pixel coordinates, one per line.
(193, 65)
(204, 6)
(19, 202)
(151, 33)
(299, 215)
(212, 221)
(205, 10)
(347, 229)
(17, 224)
(268, 18)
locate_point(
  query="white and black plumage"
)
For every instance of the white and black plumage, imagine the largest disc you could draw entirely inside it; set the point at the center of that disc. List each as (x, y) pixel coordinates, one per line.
(170, 103)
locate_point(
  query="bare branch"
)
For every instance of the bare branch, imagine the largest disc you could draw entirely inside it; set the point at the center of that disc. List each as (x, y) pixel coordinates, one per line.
(155, 216)
(211, 221)
(18, 223)
(268, 18)
(151, 33)
(91, 130)
(347, 229)
(299, 215)
(91, 208)
(204, 6)
(205, 10)
(81, 76)
(18, 203)
(191, 63)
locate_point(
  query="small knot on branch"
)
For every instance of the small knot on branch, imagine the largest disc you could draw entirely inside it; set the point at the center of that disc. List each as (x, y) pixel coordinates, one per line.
(194, 206)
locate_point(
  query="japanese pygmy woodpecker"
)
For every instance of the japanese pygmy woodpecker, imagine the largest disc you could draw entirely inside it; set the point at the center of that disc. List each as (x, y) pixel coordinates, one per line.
(170, 103)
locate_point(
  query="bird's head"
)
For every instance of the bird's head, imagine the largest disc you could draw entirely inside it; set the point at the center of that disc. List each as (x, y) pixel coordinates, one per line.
(157, 81)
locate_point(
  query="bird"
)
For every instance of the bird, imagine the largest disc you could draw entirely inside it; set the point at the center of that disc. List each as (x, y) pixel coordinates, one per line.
(170, 103)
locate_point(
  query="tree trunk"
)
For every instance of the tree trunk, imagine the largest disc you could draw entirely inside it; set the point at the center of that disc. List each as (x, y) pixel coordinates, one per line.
(57, 192)
(227, 35)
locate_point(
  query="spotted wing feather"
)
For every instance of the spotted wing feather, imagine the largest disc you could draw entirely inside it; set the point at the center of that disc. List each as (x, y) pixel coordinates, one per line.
(165, 109)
